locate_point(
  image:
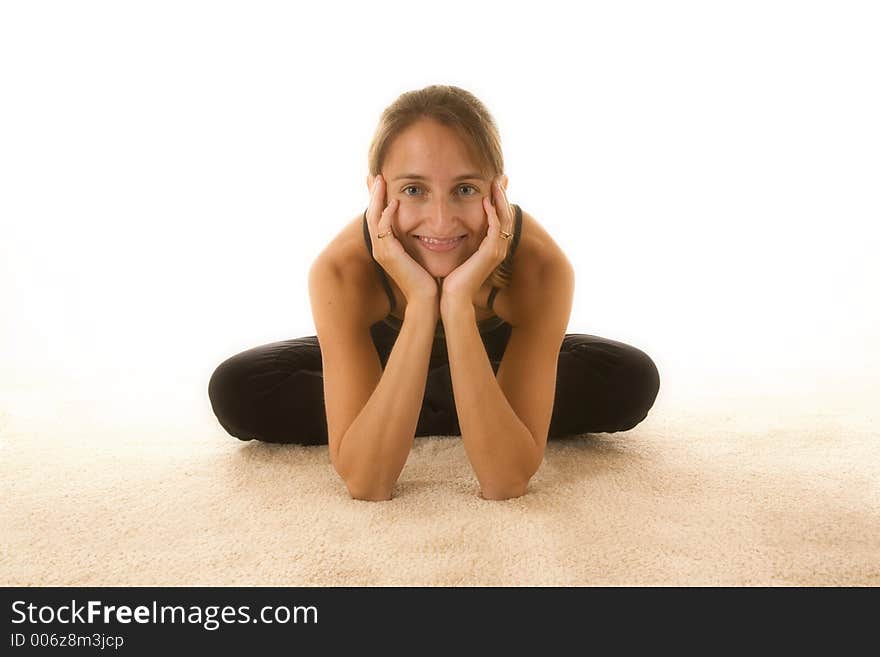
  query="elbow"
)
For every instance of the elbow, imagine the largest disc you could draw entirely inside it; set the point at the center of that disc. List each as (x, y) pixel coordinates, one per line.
(510, 488)
(369, 492)
(504, 490)
(369, 486)
(498, 493)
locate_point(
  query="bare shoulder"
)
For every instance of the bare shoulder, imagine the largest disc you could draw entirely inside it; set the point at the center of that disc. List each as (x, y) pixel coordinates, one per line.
(540, 270)
(346, 260)
(537, 247)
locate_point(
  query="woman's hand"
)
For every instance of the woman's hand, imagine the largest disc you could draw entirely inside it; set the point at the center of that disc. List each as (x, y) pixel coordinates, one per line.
(464, 282)
(414, 280)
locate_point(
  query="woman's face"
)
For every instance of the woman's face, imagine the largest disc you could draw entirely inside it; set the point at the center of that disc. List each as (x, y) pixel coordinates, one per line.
(440, 191)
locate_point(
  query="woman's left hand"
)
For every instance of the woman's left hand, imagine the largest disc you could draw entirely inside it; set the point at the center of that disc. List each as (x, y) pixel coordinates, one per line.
(463, 282)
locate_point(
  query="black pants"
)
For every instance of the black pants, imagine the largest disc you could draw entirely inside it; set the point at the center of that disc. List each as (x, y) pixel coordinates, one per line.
(275, 392)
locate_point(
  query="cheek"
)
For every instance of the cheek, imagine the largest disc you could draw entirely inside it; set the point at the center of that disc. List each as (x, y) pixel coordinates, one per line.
(477, 217)
(481, 224)
(409, 215)
(405, 219)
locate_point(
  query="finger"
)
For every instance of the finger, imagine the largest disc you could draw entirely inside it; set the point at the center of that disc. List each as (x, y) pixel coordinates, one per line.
(377, 202)
(494, 232)
(494, 221)
(384, 225)
(503, 208)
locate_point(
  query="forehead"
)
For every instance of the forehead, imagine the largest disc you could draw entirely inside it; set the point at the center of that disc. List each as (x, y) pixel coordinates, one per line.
(432, 149)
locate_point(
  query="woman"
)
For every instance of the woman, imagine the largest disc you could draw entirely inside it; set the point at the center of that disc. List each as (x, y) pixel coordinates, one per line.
(441, 310)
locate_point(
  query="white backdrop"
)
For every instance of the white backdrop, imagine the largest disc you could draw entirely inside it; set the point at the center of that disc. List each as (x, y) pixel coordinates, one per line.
(169, 170)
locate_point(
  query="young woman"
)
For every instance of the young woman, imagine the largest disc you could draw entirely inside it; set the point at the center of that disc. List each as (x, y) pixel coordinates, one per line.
(440, 310)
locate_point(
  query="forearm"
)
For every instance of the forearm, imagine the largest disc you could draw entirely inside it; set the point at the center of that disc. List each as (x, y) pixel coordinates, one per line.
(379, 440)
(500, 447)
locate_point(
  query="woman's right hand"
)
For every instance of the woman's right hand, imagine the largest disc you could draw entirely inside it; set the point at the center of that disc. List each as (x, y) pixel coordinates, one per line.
(414, 280)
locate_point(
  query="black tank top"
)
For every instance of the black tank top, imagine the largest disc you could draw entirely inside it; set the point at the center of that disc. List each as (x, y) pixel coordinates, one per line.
(484, 326)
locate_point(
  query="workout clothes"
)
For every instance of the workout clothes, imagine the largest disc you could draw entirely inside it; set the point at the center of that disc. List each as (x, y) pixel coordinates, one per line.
(275, 392)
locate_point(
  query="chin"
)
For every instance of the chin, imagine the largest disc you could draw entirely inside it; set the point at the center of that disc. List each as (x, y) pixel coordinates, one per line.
(440, 272)
(436, 269)
(439, 267)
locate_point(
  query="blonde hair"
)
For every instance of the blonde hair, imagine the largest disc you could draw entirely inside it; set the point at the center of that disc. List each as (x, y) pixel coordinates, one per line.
(457, 109)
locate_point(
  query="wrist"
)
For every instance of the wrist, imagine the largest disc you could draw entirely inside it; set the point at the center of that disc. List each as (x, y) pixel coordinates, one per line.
(427, 306)
(451, 306)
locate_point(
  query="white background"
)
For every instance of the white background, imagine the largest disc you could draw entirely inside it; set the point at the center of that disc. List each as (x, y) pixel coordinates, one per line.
(169, 170)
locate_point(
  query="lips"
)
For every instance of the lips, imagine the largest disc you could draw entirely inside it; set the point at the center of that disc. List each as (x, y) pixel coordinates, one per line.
(441, 245)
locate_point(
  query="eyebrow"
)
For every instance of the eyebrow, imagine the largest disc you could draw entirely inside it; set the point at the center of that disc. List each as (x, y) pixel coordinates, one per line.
(415, 176)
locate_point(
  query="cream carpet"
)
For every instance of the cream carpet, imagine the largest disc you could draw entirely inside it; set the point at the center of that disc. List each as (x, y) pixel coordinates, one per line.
(101, 489)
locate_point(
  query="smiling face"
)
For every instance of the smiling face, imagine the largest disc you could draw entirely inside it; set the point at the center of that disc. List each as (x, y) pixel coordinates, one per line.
(440, 189)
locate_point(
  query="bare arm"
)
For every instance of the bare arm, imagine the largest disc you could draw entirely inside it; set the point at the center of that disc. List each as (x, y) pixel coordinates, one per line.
(505, 419)
(374, 449)
(500, 447)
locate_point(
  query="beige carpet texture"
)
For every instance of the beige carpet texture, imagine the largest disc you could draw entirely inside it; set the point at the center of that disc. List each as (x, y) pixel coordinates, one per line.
(743, 491)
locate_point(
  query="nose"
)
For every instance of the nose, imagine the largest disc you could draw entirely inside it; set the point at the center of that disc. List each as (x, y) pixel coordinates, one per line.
(442, 219)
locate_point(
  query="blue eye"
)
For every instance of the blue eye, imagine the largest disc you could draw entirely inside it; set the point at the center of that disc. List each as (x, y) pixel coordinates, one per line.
(471, 187)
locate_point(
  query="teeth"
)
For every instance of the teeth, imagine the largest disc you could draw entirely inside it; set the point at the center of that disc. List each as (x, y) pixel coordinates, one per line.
(433, 241)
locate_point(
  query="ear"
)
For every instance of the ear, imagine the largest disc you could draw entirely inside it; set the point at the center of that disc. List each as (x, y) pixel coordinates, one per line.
(504, 180)
(369, 183)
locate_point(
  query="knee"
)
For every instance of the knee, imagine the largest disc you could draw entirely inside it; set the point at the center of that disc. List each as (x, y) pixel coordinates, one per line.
(647, 376)
(222, 383)
(643, 385)
(225, 392)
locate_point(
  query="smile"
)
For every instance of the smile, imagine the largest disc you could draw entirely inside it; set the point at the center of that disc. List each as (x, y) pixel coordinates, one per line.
(439, 245)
